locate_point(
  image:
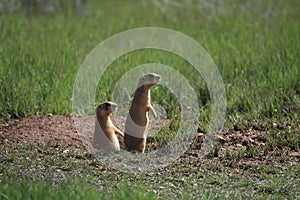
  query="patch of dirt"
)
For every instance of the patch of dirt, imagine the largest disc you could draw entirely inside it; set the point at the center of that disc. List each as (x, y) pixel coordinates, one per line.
(39, 129)
(43, 129)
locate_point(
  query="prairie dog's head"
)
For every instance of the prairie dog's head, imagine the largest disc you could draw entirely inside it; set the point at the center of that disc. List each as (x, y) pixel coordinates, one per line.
(106, 108)
(149, 79)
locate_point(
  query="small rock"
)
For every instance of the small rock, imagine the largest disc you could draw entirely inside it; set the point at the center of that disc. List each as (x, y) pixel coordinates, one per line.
(257, 143)
(251, 140)
(221, 139)
(66, 151)
(200, 134)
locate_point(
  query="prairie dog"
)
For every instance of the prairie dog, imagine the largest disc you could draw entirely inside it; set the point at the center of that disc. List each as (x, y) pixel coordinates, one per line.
(136, 126)
(105, 138)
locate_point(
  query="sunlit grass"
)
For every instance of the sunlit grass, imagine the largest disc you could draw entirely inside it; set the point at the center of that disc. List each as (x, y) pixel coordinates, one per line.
(257, 54)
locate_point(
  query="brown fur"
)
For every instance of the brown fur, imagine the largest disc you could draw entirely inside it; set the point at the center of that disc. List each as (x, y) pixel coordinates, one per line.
(136, 127)
(105, 138)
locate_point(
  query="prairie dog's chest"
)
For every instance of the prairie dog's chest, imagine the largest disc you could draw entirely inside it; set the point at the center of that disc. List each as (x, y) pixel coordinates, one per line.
(142, 100)
(106, 124)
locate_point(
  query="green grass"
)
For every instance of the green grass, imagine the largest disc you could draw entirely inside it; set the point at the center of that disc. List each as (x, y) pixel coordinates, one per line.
(255, 45)
(32, 171)
(14, 188)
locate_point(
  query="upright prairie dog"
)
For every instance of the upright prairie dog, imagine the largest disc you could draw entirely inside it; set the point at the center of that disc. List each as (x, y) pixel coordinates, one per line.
(105, 138)
(136, 126)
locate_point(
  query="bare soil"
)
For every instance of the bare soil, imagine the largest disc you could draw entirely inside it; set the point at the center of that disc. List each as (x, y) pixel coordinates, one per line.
(43, 129)
(39, 129)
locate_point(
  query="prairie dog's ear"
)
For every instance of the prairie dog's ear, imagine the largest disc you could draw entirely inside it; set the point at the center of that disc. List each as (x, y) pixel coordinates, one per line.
(100, 107)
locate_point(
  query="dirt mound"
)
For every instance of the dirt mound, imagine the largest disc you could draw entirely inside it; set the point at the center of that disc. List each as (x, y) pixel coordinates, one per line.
(42, 129)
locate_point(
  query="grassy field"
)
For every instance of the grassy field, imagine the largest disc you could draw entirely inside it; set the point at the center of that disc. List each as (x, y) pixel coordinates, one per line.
(255, 45)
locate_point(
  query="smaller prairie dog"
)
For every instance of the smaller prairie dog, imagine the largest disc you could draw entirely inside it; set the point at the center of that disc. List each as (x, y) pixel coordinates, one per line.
(136, 126)
(105, 138)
